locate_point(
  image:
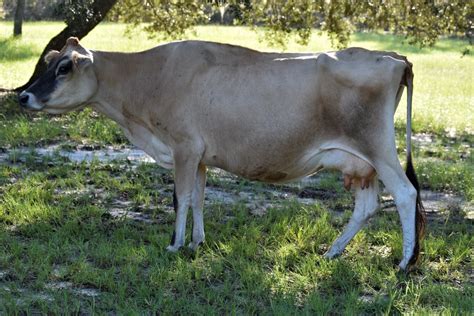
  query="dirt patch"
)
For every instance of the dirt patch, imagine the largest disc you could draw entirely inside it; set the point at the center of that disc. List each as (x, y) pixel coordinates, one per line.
(60, 286)
(439, 201)
(136, 216)
(218, 195)
(422, 139)
(310, 193)
(381, 251)
(82, 154)
(436, 204)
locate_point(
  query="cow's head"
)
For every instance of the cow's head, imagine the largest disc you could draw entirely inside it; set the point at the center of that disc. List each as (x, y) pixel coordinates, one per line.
(68, 83)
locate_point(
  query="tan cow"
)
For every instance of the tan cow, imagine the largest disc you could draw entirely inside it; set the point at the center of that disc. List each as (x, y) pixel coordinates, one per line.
(264, 116)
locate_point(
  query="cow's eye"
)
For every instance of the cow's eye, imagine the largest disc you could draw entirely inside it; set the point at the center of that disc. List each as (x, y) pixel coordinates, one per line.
(64, 69)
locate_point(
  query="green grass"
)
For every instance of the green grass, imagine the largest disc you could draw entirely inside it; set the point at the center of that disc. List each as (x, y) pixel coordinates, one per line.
(58, 238)
(54, 228)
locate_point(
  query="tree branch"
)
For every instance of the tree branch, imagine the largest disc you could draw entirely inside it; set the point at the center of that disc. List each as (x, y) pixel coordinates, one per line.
(79, 27)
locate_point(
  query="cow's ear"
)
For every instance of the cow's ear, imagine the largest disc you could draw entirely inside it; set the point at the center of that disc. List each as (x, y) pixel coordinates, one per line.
(72, 41)
(50, 56)
(81, 61)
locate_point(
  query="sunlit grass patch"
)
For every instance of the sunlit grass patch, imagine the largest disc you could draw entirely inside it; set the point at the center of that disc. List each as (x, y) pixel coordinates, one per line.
(14, 49)
(21, 131)
(439, 175)
(91, 127)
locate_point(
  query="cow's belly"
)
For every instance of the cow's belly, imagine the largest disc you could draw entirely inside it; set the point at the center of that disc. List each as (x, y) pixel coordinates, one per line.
(347, 160)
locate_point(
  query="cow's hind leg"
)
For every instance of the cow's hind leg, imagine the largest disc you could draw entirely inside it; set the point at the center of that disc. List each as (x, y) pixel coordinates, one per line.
(366, 204)
(197, 206)
(405, 196)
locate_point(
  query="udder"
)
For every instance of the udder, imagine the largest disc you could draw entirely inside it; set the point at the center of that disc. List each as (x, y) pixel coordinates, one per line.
(354, 169)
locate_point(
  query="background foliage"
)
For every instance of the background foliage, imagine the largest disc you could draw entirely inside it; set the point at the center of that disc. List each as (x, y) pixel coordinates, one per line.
(422, 22)
(35, 9)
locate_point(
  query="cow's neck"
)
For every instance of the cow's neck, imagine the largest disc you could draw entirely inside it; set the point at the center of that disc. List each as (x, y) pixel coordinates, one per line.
(120, 97)
(116, 93)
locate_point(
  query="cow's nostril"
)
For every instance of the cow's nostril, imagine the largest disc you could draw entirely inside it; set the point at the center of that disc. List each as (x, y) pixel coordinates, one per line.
(24, 99)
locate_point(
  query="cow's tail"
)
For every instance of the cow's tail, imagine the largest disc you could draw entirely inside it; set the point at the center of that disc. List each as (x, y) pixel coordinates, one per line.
(411, 175)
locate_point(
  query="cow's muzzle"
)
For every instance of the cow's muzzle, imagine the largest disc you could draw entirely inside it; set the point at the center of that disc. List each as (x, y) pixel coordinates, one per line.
(28, 101)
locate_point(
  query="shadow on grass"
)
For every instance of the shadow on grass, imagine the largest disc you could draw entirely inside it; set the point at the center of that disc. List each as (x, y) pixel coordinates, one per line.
(400, 44)
(12, 49)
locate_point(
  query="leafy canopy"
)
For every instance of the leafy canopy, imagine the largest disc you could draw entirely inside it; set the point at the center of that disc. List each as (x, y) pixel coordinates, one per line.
(421, 21)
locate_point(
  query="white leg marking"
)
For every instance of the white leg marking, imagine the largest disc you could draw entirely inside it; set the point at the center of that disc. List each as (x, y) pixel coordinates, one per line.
(186, 170)
(366, 204)
(197, 206)
(404, 195)
(406, 205)
(180, 224)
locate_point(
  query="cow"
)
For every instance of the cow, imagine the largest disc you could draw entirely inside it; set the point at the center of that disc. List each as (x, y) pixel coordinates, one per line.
(272, 117)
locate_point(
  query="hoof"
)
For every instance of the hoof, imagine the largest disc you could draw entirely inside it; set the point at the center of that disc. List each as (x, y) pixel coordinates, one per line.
(404, 265)
(331, 254)
(407, 268)
(172, 248)
(194, 246)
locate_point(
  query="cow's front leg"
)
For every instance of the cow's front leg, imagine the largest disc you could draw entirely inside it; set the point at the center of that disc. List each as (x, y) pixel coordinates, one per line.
(186, 166)
(197, 206)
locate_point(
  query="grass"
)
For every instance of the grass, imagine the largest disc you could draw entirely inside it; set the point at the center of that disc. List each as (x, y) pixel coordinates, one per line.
(55, 229)
(63, 251)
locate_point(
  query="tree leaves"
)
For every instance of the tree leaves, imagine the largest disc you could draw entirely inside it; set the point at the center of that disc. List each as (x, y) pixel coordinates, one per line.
(422, 22)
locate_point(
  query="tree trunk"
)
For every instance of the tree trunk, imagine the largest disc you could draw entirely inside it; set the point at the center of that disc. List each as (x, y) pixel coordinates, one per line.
(79, 28)
(18, 20)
